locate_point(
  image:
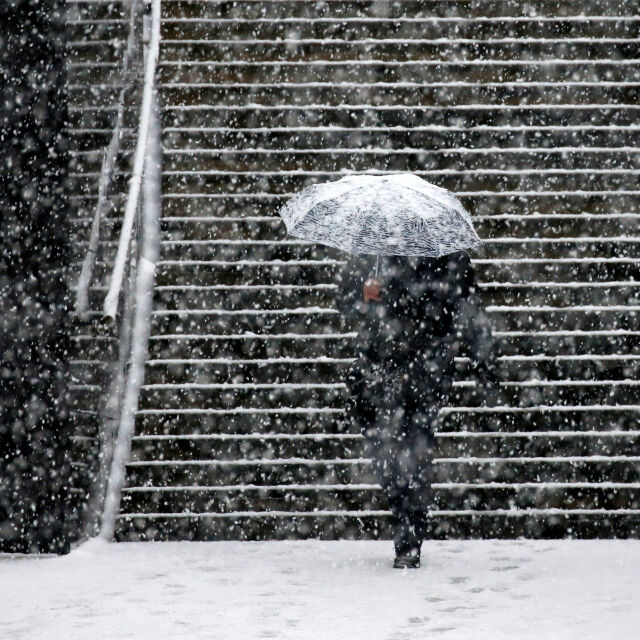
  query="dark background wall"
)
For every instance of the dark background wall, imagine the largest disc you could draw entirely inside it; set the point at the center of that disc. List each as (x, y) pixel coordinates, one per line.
(35, 425)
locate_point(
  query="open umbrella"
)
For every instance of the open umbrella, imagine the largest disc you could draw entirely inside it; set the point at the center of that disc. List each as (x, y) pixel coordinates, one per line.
(398, 214)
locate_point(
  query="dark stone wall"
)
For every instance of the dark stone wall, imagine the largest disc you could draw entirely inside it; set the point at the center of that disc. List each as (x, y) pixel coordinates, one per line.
(35, 424)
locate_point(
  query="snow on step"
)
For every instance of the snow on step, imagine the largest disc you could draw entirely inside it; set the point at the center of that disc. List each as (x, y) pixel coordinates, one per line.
(236, 434)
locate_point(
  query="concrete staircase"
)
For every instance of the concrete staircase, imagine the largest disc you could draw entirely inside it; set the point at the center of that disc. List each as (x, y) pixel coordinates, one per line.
(529, 111)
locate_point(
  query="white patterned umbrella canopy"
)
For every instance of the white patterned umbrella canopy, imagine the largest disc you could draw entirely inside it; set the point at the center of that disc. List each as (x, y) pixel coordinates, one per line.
(398, 214)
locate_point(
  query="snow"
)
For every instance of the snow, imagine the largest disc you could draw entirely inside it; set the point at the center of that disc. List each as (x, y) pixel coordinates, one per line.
(561, 590)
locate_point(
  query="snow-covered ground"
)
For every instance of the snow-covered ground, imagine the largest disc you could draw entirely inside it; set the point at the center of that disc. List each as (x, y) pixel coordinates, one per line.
(549, 590)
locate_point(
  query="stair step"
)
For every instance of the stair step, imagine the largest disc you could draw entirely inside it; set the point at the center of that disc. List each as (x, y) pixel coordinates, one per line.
(316, 9)
(253, 320)
(590, 418)
(310, 498)
(418, 27)
(248, 271)
(493, 248)
(518, 358)
(227, 227)
(337, 525)
(541, 162)
(482, 202)
(326, 446)
(372, 70)
(235, 297)
(318, 369)
(229, 396)
(287, 470)
(400, 49)
(425, 94)
(240, 422)
(508, 116)
(243, 180)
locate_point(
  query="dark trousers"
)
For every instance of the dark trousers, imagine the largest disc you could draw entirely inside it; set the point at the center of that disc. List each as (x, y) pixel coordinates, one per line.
(397, 420)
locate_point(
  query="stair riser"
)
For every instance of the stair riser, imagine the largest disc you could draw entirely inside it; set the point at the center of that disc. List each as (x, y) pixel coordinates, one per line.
(558, 271)
(365, 527)
(93, 94)
(263, 474)
(224, 399)
(332, 155)
(249, 348)
(515, 364)
(595, 367)
(450, 71)
(223, 368)
(349, 500)
(310, 370)
(247, 449)
(202, 298)
(167, 424)
(491, 250)
(387, 28)
(230, 274)
(274, 227)
(580, 319)
(527, 395)
(478, 203)
(257, 323)
(186, 424)
(113, 10)
(326, 448)
(89, 373)
(85, 399)
(586, 419)
(538, 394)
(367, 115)
(234, 299)
(92, 29)
(345, 9)
(253, 182)
(560, 94)
(250, 252)
(238, 49)
(266, 474)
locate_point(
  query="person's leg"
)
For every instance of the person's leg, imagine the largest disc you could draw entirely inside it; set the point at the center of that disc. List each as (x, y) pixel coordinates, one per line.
(400, 441)
(407, 485)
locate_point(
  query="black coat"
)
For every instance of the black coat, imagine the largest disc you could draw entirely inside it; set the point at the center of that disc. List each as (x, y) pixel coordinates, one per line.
(430, 312)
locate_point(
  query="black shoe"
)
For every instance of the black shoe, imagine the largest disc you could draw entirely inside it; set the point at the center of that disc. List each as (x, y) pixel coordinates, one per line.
(407, 561)
(407, 557)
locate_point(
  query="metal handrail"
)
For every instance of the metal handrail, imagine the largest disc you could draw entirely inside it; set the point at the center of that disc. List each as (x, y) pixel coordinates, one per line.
(146, 178)
(106, 175)
(139, 341)
(110, 308)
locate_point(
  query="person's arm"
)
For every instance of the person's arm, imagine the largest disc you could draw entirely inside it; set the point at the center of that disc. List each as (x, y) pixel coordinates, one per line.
(474, 331)
(347, 298)
(349, 294)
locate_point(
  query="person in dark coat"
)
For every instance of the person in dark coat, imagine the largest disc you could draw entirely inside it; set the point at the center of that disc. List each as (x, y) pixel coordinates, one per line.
(412, 321)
